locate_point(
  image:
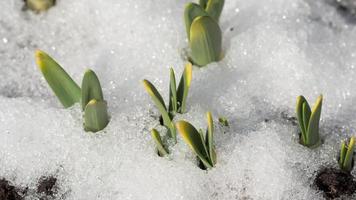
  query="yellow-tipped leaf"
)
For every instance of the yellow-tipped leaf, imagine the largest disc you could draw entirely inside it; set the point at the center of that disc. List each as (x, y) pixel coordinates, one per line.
(194, 140)
(96, 117)
(63, 86)
(162, 151)
(91, 88)
(183, 87)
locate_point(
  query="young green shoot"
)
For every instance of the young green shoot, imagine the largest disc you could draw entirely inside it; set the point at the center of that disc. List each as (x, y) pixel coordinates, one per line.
(161, 149)
(39, 5)
(203, 31)
(346, 160)
(63, 86)
(177, 97)
(308, 121)
(223, 121)
(202, 146)
(96, 116)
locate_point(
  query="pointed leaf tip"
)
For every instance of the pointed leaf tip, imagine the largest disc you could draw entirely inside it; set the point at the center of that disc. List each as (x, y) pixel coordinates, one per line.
(67, 91)
(91, 88)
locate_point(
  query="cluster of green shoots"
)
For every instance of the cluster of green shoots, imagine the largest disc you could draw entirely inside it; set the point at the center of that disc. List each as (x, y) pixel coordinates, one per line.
(346, 159)
(202, 146)
(308, 120)
(203, 31)
(68, 92)
(39, 5)
(177, 100)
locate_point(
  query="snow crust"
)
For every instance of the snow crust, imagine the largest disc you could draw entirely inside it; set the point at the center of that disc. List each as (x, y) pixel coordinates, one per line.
(274, 51)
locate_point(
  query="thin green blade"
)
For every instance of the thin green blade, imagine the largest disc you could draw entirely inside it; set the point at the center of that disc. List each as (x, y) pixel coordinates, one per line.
(203, 3)
(214, 8)
(210, 138)
(342, 154)
(205, 41)
(63, 86)
(306, 114)
(313, 138)
(172, 108)
(91, 88)
(349, 155)
(159, 144)
(183, 87)
(158, 100)
(96, 117)
(299, 110)
(192, 10)
(193, 138)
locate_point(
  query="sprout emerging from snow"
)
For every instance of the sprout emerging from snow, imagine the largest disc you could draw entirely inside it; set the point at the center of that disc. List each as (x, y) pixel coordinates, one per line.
(161, 149)
(203, 31)
(40, 5)
(308, 121)
(63, 86)
(69, 93)
(202, 146)
(96, 116)
(346, 160)
(177, 98)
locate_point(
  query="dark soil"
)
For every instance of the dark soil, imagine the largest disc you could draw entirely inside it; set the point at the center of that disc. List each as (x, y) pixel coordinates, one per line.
(10, 192)
(47, 185)
(335, 183)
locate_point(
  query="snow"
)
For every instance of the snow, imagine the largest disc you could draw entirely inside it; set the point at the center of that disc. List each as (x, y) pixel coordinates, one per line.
(274, 51)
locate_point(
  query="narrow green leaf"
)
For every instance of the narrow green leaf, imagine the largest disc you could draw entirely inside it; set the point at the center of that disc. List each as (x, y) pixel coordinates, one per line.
(205, 41)
(67, 91)
(313, 138)
(210, 137)
(39, 5)
(203, 3)
(348, 162)
(183, 87)
(193, 138)
(158, 100)
(96, 117)
(192, 11)
(172, 108)
(299, 109)
(306, 115)
(214, 8)
(342, 154)
(159, 144)
(91, 88)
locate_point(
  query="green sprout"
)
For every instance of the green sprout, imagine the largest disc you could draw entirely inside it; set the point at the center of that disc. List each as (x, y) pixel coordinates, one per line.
(203, 31)
(63, 86)
(177, 98)
(346, 160)
(39, 5)
(202, 146)
(68, 92)
(96, 116)
(223, 121)
(161, 149)
(308, 121)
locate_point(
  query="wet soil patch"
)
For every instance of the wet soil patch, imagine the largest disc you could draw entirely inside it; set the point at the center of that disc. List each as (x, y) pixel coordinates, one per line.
(47, 186)
(10, 192)
(335, 183)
